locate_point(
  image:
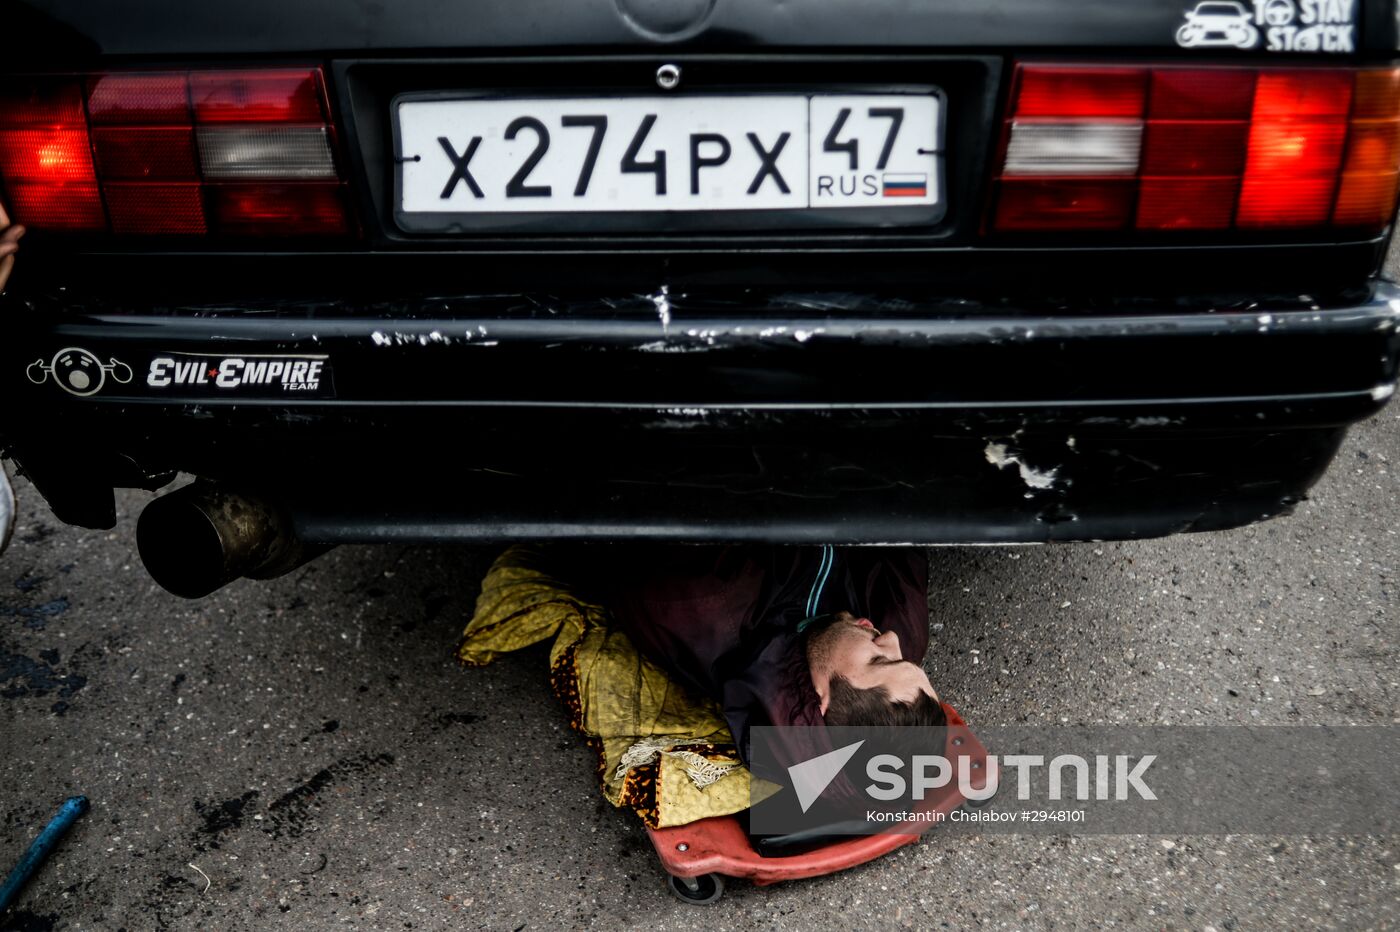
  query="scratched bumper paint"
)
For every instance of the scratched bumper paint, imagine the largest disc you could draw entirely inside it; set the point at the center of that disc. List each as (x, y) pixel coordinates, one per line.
(846, 418)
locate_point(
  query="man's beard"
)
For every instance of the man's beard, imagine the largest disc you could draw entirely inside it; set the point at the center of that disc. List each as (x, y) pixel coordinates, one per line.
(820, 638)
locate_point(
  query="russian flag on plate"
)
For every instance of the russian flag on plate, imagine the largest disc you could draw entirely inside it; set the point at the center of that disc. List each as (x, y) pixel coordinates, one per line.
(904, 185)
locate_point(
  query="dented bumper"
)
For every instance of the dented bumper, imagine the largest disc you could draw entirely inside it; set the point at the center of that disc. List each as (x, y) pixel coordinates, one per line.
(777, 417)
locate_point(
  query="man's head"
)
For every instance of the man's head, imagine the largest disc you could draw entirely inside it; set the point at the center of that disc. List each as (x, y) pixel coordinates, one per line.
(862, 678)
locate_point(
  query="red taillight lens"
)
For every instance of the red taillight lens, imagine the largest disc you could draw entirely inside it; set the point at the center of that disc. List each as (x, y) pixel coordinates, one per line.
(157, 147)
(1219, 148)
(156, 208)
(1186, 203)
(1202, 94)
(257, 97)
(1303, 94)
(1291, 174)
(51, 156)
(1081, 92)
(1297, 132)
(56, 207)
(139, 99)
(262, 209)
(1078, 204)
(1197, 133)
(1194, 147)
(42, 102)
(145, 153)
(46, 159)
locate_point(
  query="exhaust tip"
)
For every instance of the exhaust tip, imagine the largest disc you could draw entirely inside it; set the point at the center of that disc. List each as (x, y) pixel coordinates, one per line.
(181, 547)
(202, 537)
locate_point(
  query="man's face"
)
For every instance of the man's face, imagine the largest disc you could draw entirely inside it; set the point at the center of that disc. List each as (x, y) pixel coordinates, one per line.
(855, 649)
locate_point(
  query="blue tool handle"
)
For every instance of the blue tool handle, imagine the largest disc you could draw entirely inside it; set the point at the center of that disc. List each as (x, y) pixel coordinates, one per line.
(41, 848)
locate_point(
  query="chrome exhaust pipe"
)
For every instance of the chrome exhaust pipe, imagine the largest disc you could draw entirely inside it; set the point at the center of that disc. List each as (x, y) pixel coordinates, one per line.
(202, 537)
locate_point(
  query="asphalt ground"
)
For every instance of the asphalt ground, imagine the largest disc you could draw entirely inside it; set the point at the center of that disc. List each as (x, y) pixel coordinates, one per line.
(305, 753)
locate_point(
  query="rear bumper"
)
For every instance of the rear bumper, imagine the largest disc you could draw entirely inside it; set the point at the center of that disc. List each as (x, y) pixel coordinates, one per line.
(738, 416)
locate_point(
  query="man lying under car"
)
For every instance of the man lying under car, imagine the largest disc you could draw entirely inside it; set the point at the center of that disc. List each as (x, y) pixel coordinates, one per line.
(778, 635)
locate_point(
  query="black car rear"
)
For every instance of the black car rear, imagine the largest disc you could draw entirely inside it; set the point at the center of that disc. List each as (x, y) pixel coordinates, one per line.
(580, 270)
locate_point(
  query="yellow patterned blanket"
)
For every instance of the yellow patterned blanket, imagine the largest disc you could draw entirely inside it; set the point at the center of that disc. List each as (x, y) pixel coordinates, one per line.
(662, 752)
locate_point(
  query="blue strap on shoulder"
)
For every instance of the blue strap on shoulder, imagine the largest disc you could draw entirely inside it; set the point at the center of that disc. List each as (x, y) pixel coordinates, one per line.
(815, 596)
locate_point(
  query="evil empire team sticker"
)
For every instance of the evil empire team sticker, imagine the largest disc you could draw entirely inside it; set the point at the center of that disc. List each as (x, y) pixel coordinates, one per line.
(242, 375)
(1272, 25)
(84, 373)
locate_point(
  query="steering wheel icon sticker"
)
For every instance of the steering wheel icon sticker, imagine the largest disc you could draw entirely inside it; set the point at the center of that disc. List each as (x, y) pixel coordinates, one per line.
(1279, 12)
(78, 371)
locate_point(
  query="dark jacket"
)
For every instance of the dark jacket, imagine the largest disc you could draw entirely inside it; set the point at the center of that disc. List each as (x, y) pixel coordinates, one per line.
(723, 621)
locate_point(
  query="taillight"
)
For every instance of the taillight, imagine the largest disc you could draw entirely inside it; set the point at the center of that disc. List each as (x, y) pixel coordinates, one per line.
(1183, 148)
(247, 152)
(1366, 196)
(45, 158)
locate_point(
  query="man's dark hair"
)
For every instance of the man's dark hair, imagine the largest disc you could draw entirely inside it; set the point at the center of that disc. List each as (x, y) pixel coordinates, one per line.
(847, 705)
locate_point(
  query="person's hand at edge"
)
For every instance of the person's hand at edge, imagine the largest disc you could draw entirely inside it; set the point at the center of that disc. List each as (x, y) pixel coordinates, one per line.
(9, 245)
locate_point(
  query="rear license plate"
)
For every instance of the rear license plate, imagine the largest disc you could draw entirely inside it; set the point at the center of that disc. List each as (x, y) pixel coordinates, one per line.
(649, 161)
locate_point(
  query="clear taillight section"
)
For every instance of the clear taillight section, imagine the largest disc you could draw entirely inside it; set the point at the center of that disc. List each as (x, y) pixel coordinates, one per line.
(187, 153)
(1180, 148)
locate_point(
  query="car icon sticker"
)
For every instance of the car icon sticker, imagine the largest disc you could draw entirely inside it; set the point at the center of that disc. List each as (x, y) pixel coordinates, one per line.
(1215, 24)
(1283, 25)
(78, 371)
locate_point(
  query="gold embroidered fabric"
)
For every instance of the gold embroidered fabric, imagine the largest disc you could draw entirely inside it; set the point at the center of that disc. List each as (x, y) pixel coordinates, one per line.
(662, 752)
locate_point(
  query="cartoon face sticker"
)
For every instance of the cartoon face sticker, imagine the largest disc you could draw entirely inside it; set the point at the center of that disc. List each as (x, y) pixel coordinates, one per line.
(78, 371)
